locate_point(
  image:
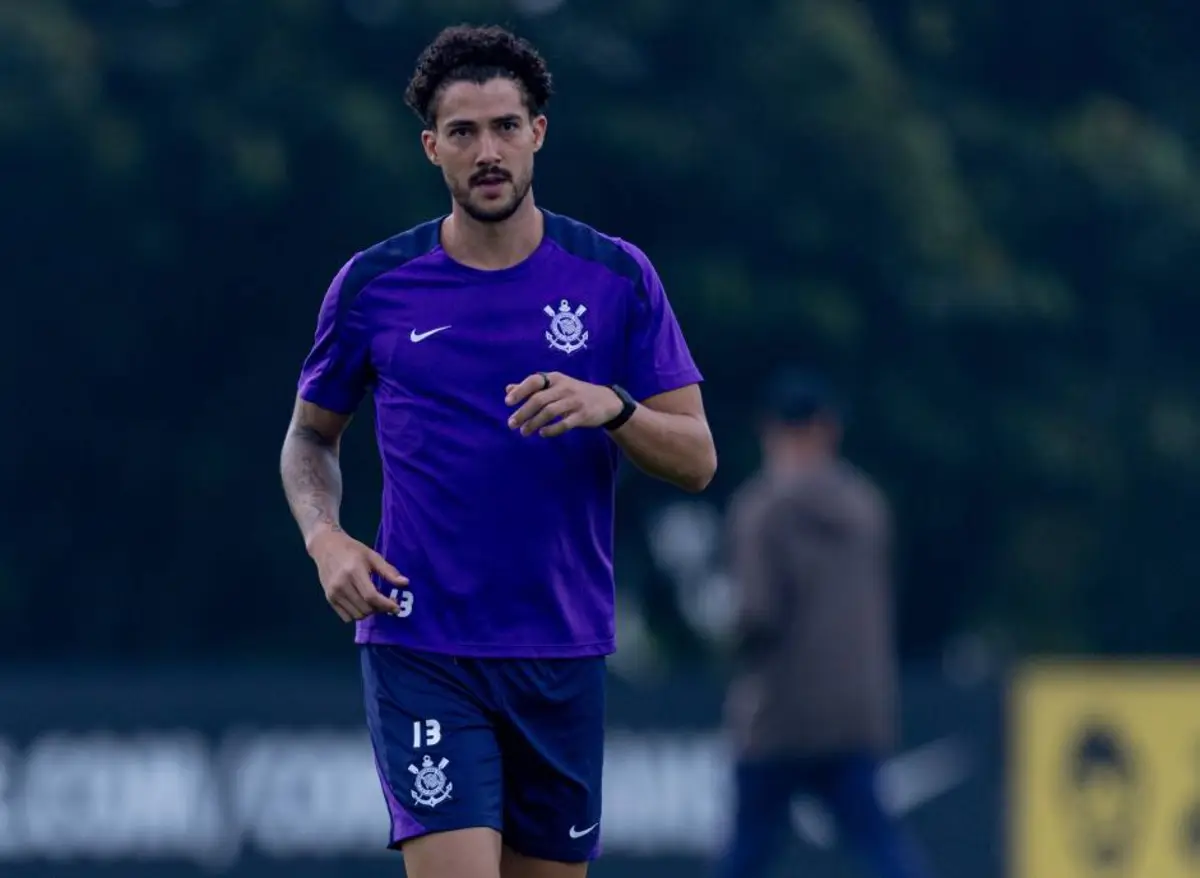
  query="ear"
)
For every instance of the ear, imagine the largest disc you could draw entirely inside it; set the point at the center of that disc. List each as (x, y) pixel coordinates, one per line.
(538, 123)
(429, 144)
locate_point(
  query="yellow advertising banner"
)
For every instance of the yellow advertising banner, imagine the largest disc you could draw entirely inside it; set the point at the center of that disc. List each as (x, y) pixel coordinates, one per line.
(1105, 770)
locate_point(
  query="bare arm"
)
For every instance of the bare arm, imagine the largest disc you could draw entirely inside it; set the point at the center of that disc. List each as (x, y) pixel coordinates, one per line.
(668, 438)
(311, 470)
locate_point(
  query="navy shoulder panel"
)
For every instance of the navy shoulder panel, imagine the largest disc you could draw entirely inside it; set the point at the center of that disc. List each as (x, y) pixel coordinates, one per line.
(387, 256)
(583, 241)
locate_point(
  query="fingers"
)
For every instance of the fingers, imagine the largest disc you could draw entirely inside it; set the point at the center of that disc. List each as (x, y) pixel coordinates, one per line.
(381, 603)
(370, 596)
(349, 603)
(353, 594)
(517, 393)
(552, 411)
(361, 601)
(570, 422)
(535, 405)
(386, 570)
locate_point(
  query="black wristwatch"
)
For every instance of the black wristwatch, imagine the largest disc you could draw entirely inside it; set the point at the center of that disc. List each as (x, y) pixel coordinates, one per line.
(628, 407)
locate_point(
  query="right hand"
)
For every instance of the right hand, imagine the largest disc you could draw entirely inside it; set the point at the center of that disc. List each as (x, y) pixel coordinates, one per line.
(345, 566)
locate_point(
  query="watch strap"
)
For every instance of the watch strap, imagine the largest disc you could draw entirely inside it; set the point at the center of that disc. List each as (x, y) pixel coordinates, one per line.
(628, 407)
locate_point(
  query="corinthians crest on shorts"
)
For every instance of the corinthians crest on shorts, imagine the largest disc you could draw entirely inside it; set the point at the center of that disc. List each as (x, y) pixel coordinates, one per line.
(566, 332)
(430, 786)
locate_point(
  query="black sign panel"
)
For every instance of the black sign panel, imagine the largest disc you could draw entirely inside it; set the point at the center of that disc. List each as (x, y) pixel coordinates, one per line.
(268, 773)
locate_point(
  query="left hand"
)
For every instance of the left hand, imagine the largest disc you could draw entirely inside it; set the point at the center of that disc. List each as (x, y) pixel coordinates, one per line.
(563, 404)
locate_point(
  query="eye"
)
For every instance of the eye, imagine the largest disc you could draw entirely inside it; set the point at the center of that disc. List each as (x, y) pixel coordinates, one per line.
(459, 132)
(510, 125)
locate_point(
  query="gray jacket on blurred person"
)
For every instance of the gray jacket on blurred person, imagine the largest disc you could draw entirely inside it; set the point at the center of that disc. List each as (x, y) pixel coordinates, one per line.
(816, 671)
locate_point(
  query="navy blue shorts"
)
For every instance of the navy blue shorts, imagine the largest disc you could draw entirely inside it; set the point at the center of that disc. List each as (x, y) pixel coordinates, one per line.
(513, 744)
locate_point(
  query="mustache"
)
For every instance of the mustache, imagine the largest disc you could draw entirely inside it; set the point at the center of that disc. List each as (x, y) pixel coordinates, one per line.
(489, 174)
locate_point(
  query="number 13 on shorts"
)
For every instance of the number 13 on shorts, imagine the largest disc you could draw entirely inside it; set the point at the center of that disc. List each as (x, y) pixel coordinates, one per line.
(427, 733)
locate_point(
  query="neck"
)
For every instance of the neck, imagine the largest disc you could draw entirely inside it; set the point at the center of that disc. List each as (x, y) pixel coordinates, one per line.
(493, 246)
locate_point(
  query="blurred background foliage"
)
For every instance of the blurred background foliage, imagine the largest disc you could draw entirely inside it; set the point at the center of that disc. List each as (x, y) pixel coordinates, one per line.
(979, 217)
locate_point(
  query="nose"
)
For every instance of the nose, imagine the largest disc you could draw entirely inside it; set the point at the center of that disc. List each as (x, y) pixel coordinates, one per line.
(489, 150)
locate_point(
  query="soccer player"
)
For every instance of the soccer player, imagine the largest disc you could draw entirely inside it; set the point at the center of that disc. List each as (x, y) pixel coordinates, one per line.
(514, 355)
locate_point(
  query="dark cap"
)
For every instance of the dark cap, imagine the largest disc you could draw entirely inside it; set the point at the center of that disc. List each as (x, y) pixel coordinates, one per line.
(794, 396)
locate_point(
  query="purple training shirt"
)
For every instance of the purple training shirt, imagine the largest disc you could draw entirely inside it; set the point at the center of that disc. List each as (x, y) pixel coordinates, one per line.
(507, 540)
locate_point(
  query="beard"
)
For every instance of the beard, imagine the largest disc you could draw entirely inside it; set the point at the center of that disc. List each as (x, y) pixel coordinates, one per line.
(496, 211)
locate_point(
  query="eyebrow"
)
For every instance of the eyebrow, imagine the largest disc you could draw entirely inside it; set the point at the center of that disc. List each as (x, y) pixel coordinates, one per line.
(470, 123)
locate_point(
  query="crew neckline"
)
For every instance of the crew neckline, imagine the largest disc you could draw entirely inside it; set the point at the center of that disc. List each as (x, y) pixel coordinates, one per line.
(498, 273)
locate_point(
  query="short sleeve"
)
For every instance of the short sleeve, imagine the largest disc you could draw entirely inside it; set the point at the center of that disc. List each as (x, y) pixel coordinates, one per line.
(337, 370)
(657, 356)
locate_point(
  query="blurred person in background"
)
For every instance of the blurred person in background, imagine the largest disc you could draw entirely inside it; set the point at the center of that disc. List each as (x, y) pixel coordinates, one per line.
(812, 705)
(514, 355)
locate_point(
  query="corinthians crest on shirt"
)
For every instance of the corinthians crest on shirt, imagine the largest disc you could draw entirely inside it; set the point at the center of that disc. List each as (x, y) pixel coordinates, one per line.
(430, 786)
(566, 332)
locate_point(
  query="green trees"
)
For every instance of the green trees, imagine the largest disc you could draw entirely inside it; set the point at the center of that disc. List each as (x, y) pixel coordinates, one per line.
(980, 218)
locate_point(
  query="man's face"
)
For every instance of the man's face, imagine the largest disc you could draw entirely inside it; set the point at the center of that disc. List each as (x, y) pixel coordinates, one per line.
(784, 441)
(1104, 800)
(484, 141)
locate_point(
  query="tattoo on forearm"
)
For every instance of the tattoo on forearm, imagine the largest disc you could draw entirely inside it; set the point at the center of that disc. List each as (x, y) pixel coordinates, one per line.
(312, 480)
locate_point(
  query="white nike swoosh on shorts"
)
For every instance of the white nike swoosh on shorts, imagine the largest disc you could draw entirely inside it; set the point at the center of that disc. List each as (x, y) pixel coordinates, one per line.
(574, 833)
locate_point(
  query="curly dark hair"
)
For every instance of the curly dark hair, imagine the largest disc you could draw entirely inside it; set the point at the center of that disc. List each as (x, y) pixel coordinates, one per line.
(467, 53)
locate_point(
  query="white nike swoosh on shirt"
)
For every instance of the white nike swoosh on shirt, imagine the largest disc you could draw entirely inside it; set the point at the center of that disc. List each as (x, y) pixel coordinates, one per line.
(581, 833)
(421, 336)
